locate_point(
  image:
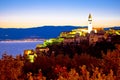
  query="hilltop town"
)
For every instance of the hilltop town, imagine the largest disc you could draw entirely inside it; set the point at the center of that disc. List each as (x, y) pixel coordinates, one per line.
(78, 37)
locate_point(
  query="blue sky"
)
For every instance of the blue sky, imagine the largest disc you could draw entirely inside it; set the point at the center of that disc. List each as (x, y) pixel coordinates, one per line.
(32, 13)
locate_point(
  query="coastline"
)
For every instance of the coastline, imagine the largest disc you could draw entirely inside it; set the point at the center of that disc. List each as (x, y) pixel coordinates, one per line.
(22, 40)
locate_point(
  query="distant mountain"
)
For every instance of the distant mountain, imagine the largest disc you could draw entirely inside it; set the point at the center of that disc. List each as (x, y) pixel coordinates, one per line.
(45, 32)
(115, 28)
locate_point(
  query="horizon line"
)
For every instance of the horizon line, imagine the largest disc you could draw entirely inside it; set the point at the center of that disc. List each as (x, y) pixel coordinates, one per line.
(55, 26)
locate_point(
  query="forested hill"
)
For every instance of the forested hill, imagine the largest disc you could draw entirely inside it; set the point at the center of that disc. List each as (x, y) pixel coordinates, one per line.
(38, 32)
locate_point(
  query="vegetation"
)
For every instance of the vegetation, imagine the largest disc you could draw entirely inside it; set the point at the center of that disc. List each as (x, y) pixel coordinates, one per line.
(11, 68)
(62, 67)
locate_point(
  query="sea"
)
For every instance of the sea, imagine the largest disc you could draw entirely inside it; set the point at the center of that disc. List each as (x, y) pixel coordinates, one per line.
(17, 47)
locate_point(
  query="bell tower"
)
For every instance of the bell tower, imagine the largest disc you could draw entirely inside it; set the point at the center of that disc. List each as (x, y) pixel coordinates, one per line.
(89, 23)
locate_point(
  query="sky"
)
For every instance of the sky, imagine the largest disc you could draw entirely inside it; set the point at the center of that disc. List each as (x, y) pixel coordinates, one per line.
(34, 13)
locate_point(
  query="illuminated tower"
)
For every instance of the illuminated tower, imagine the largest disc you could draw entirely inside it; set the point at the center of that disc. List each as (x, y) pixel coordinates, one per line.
(89, 23)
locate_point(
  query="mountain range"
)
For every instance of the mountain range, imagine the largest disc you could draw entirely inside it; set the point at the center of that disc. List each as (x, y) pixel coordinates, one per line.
(44, 32)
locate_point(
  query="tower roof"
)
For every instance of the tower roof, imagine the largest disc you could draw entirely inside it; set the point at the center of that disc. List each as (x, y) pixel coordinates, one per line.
(90, 16)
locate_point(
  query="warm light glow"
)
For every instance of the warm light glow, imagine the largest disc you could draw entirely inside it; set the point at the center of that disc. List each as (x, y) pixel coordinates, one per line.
(36, 24)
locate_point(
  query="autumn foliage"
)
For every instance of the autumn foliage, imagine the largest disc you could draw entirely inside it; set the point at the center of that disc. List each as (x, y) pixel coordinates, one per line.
(62, 67)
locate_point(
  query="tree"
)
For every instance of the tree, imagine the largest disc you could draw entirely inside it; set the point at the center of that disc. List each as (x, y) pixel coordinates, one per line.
(11, 68)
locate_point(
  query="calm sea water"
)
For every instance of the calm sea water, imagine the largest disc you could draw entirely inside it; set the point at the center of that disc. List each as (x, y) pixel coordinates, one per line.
(14, 48)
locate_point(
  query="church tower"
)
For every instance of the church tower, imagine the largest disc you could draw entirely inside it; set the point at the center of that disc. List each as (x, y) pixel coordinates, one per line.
(89, 23)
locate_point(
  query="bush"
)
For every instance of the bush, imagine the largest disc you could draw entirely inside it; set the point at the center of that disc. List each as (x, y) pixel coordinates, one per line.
(10, 68)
